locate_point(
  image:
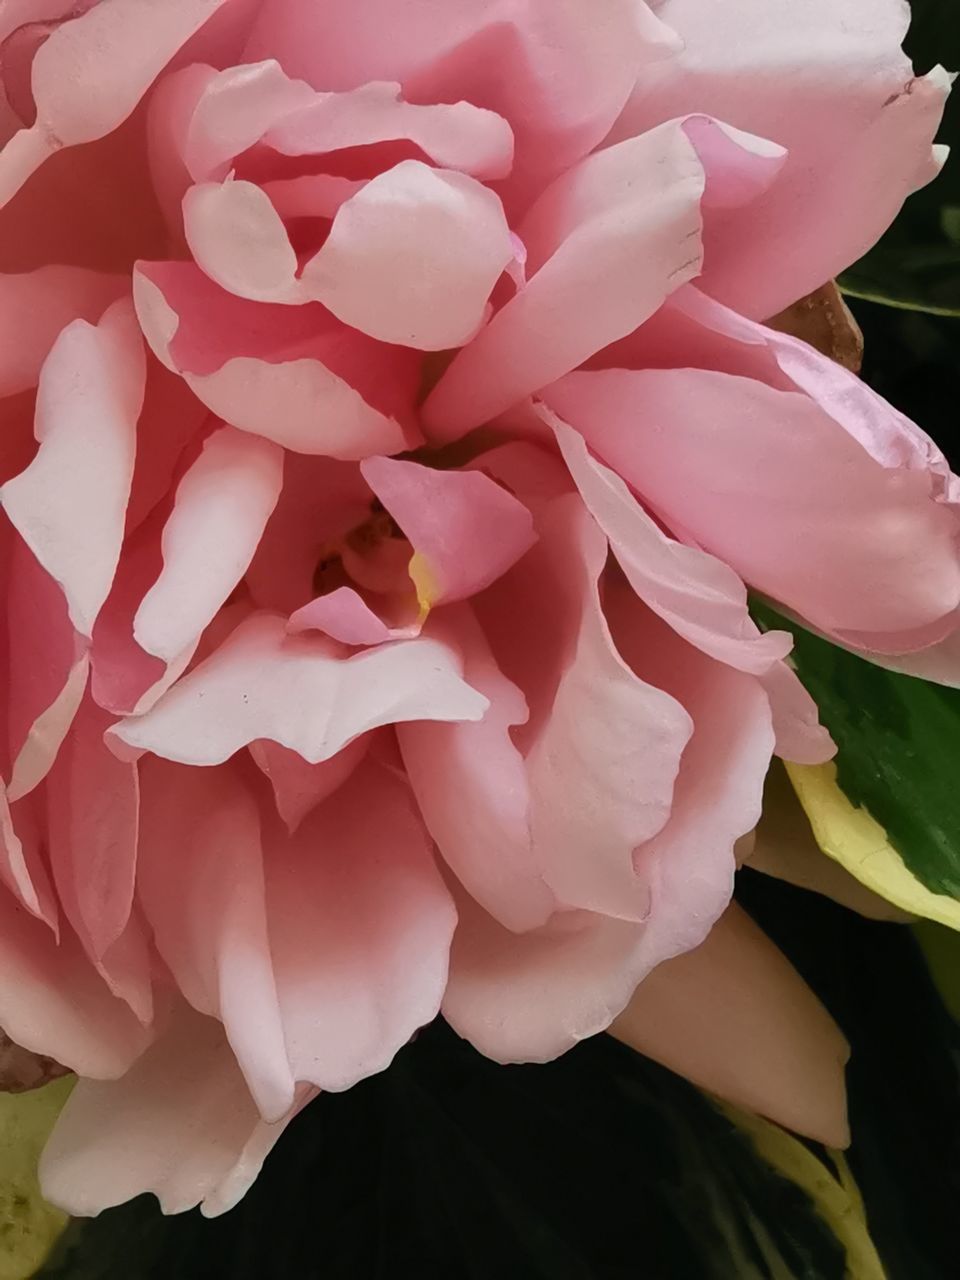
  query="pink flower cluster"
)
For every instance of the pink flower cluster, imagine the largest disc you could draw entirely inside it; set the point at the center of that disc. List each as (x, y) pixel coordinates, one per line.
(389, 438)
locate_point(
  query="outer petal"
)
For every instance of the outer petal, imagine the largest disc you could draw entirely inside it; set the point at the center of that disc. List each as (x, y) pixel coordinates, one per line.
(181, 1123)
(466, 529)
(222, 506)
(770, 483)
(828, 81)
(201, 886)
(360, 929)
(70, 503)
(605, 249)
(471, 785)
(53, 1002)
(557, 70)
(90, 73)
(734, 1017)
(298, 691)
(291, 374)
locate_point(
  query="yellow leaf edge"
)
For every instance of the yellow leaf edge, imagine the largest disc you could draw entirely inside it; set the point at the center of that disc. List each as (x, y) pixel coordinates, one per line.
(852, 836)
(836, 1198)
(29, 1226)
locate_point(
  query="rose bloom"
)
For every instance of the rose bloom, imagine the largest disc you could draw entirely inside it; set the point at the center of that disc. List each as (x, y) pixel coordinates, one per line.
(389, 438)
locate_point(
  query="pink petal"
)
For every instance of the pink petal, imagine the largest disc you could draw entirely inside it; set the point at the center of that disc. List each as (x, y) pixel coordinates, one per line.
(698, 595)
(827, 80)
(53, 1002)
(441, 240)
(171, 420)
(343, 615)
(558, 71)
(454, 135)
(360, 929)
(70, 503)
(471, 786)
(467, 529)
(231, 110)
(298, 786)
(181, 1123)
(92, 813)
(91, 73)
(222, 506)
(719, 790)
(771, 484)
(36, 306)
(529, 997)
(125, 678)
(603, 768)
(22, 867)
(606, 247)
(200, 883)
(290, 374)
(46, 667)
(298, 691)
(736, 1018)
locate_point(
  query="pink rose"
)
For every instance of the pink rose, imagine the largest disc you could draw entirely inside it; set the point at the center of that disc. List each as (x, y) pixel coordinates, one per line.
(380, 494)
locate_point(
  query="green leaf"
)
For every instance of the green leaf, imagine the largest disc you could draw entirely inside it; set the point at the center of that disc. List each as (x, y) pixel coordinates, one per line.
(898, 742)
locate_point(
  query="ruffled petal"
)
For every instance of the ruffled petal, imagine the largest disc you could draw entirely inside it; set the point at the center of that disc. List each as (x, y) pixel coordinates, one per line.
(91, 72)
(828, 81)
(719, 791)
(360, 929)
(92, 808)
(528, 997)
(471, 786)
(70, 504)
(603, 767)
(45, 667)
(558, 70)
(412, 258)
(606, 244)
(770, 483)
(181, 1124)
(456, 135)
(291, 374)
(736, 1018)
(200, 883)
(699, 596)
(299, 691)
(466, 529)
(222, 506)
